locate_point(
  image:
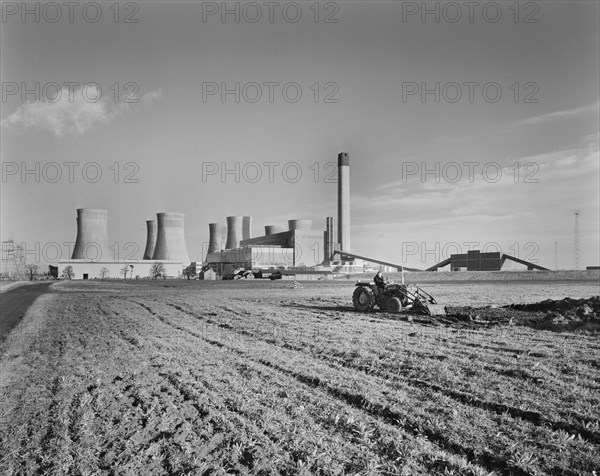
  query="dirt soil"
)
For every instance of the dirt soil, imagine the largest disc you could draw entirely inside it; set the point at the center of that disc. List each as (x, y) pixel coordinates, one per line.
(581, 315)
(214, 378)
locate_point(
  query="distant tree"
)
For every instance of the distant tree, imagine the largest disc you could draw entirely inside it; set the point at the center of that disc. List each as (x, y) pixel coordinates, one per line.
(32, 269)
(124, 271)
(131, 269)
(156, 270)
(104, 273)
(189, 272)
(68, 272)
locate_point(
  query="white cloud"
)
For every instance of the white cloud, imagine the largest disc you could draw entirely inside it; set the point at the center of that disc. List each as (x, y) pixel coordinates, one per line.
(152, 96)
(545, 183)
(524, 219)
(561, 115)
(69, 114)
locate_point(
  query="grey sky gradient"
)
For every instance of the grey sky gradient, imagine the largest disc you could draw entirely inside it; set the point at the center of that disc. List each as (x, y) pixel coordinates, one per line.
(369, 54)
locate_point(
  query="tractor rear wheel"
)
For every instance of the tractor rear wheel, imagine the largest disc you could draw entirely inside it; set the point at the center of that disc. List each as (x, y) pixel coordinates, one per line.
(393, 304)
(363, 299)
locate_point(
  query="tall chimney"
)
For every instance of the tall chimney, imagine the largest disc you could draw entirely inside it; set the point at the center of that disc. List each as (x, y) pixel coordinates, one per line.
(344, 201)
(92, 236)
(329, 240)
(246, 228)
(234, 232)
(170, 238)
(217, 236)
(150, 239)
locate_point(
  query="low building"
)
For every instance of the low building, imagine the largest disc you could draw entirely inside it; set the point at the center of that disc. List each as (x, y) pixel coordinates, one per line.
(475, 260)
(208, 275)
(85, 269)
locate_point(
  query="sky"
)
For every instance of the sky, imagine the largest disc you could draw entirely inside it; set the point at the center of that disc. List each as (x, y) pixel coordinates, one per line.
(466, 129)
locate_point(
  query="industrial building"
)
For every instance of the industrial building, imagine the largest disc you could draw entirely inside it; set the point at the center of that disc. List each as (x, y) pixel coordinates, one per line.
(295, 248)
(298, 245)
(300, 248)
(475, 260)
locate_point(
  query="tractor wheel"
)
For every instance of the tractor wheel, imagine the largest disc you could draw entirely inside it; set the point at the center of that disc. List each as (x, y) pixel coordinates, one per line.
(393, 304)
(363, 299)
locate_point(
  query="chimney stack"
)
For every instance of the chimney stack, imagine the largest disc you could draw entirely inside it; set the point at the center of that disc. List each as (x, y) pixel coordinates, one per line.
(329, 240)
(344, 201)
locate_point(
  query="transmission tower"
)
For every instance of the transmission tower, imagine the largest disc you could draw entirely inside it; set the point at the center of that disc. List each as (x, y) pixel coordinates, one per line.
(576, 251)
(13, 256)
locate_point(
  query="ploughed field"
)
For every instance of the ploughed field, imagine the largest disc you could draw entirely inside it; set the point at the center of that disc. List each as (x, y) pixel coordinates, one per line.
(261, 377)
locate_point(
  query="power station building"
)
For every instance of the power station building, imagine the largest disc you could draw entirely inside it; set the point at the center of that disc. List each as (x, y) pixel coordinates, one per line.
(298, 246)
(232, 246)
(165, 244)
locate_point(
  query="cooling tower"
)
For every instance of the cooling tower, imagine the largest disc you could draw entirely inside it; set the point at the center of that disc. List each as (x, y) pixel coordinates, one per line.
(150, 239)
(170, 240)
(272, 229)
(344, 201)
(234, 232)
(299, 225)
(92, 235)
(217, 236)
(246, 228)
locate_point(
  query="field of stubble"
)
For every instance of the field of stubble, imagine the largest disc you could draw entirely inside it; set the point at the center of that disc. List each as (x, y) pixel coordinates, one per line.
(266, 378)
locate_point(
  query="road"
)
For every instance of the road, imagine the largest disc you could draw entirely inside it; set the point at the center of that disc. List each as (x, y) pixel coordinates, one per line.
(14, 304)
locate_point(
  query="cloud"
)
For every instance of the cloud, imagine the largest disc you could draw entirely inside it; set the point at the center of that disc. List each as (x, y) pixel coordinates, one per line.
(541, 185)
(152, 96)
(524, 218)
(70, 113)
(560, 115)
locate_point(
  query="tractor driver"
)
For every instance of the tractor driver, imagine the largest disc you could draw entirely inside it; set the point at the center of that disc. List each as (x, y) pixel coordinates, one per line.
(379, 281)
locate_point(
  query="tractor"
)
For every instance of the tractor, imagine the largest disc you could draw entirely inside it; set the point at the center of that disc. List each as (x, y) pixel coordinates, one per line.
(392, 298)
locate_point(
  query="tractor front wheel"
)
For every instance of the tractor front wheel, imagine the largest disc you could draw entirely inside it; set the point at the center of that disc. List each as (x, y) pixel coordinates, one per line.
(363, 299)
